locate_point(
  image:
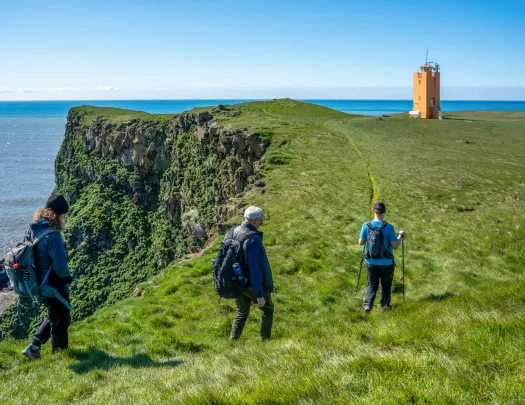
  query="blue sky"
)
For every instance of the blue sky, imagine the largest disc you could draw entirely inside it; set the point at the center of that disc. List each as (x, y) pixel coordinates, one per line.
(258, 49)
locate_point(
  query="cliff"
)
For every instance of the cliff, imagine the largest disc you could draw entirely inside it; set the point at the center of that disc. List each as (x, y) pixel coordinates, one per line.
(144, 190)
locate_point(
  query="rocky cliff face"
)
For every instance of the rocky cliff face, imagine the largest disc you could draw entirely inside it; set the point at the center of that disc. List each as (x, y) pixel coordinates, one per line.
(144, 193)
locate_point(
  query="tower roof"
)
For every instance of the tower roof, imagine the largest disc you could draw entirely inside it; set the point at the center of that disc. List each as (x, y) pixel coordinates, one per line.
(430, 67)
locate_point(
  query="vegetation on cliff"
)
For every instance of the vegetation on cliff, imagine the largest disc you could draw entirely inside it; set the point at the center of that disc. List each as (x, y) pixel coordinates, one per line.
(456, 186)
(145, 191)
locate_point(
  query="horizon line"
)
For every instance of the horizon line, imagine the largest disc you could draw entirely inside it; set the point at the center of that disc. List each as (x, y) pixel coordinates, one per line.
(250, 99)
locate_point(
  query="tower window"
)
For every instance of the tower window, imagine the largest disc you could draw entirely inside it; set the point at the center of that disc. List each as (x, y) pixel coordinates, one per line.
(420, 97)
(420, 82)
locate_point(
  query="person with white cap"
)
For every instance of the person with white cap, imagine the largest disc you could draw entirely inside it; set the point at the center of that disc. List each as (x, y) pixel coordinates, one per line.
(257, 270)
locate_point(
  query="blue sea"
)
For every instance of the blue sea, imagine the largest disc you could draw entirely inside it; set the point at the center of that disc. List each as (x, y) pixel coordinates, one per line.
(31, 133)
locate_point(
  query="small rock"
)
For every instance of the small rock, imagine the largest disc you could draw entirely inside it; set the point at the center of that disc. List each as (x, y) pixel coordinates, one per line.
(126, 158)
(152, 148)
(190, 221)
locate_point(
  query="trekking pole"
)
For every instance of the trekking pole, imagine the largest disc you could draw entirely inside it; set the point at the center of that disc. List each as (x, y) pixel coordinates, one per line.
(403, 256)
(359, 272)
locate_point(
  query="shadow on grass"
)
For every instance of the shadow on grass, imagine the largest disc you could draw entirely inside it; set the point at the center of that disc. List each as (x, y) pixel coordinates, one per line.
(439, 297)
(93, 359)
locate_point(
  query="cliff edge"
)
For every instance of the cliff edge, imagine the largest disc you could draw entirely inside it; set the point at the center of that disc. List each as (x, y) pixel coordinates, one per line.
(144, 190)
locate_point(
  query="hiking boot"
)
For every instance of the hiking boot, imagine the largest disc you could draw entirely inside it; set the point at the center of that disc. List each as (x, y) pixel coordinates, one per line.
(367, 310)
(387, 308)
(32, 352)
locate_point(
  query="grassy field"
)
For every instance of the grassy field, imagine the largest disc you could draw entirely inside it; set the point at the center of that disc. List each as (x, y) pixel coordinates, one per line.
(118, 115)
(458, 338)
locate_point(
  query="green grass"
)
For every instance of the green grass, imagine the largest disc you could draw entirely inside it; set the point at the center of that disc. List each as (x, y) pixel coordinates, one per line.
(116, 115)
(458, 338)
(119, 115)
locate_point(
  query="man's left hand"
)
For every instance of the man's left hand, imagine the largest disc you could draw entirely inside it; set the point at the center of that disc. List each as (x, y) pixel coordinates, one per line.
(261, 302)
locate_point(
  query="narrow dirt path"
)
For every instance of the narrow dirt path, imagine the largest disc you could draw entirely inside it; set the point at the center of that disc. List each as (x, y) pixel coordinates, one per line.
(374, 188)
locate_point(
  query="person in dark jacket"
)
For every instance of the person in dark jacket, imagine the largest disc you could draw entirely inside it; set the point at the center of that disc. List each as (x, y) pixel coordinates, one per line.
(256, 268)
(50, 253)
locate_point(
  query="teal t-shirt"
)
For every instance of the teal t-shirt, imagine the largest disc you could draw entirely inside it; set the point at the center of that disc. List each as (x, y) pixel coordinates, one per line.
(389, 235)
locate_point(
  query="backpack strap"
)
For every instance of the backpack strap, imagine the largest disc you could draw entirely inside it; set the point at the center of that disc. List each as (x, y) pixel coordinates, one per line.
(42, 235)
(241, 241)
(62, 300)
(383, 224)
(33, 299)
(386, 253)
(44, 281)
(246, 237)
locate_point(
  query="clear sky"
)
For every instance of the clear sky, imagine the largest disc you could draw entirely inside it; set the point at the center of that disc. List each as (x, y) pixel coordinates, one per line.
(133, 49)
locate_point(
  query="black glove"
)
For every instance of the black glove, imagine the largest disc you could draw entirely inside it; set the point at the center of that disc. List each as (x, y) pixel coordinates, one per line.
(66, 280)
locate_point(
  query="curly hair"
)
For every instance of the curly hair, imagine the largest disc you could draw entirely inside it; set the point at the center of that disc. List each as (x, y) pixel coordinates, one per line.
(55, 220)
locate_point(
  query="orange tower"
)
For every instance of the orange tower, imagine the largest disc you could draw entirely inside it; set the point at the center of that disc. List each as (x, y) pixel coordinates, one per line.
(426, 91)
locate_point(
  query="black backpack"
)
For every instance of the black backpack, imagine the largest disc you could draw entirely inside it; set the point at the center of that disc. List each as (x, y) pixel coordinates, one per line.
(375, 243)
(226, 283)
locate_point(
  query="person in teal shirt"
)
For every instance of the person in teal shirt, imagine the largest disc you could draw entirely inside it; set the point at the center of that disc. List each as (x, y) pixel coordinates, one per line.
(380, 270)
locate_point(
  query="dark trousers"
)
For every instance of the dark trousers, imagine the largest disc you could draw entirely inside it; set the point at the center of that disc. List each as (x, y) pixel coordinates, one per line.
(55, 326)
(243, 304)
(385, 274)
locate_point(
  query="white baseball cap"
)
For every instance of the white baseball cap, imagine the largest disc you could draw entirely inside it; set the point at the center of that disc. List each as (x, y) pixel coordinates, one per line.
(252, 213)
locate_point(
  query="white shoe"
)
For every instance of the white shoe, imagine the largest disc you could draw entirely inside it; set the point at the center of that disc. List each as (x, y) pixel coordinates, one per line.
(31, 353)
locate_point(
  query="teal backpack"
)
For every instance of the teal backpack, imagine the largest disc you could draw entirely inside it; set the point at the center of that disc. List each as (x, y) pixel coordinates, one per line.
(20, 268)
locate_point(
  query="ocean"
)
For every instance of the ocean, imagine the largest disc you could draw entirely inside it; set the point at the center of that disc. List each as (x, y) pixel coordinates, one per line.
(31, 133)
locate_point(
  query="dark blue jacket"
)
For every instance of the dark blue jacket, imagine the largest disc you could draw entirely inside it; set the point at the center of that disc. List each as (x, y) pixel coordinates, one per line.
(259, 272)
(50, 251)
